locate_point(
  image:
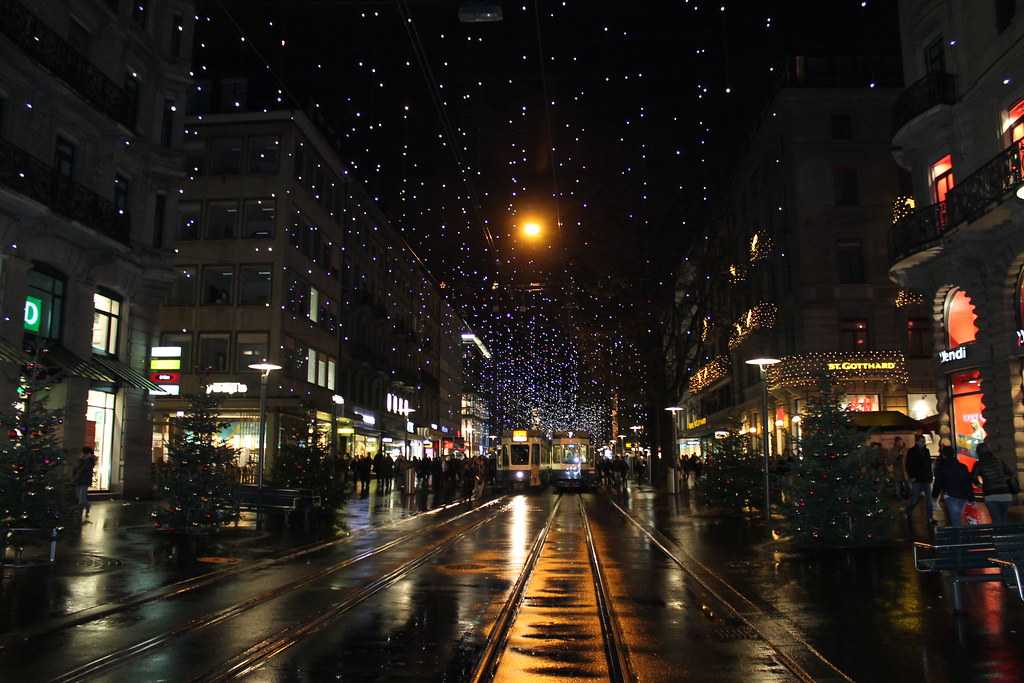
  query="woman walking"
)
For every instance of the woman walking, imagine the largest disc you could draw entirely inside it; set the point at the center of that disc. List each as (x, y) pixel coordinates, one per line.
(998, 483)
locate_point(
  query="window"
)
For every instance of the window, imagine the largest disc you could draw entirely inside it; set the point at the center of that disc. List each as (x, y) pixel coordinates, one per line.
(311, 366)
(226, 156)
(942, 178)
(184, 342)
(961, 321)
(968, 414)
(64, 158)
(139, 13)
(253, 347)
(99, 410)
(167, 123)
(535, 454)
(331, 370)
(106, 322)
(221, 220)
(1005, 12)
(131, 90)
(861, 403)
(79, 38)
(314, 304)
(299, 160)
(159, 218)
(217, 285)
(213, 352)
(254, 285)
(850, 262)
(44, 303)
(189, 214)
(259, 218)
(847, 192)
(935, 57)
(853, 335)
(264, 154)
(842, 127)
(177, 29)
(321, 370)
(919, 338)
(121, 190)
(183, 290)
(520, 454)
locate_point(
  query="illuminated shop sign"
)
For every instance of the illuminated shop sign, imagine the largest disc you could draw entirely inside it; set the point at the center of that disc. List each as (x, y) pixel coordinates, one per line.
(226, 388)
(33, 313)
(165, 370)
(518, 435)
(862, 365)
(699, 422)
(959, 353)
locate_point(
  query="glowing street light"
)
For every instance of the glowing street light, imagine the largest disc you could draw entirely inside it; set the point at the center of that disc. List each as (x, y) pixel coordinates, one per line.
(264, 368)
(763, 363)
(532, 229)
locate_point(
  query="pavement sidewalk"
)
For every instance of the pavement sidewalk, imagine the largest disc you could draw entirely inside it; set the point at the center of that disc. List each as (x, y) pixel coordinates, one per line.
(117, 552)
(868, 610)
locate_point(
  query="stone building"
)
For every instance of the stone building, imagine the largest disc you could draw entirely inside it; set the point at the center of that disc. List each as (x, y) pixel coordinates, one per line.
(958, 238)
(91, 104)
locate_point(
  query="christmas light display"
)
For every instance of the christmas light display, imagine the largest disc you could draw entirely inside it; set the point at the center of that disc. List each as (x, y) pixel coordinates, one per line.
(760, 317)
(842, 366)
(908, 297)
(707, 375)
(902, 207)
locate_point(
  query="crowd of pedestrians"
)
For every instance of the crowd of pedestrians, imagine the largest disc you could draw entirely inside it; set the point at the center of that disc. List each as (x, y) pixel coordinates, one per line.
(451, 477)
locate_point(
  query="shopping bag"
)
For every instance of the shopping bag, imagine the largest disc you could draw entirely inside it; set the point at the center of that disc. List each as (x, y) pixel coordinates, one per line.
(975, 514)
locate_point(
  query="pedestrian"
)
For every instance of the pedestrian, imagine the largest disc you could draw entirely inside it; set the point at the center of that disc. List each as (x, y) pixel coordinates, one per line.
(365, 463)
(953, 480)
(83, 478)
(998, 483)
(378, 469)
(899, 451)
(388, 466)
(918, 471)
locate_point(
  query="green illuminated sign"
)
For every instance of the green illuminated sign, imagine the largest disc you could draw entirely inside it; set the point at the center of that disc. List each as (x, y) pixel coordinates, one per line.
(33, 313)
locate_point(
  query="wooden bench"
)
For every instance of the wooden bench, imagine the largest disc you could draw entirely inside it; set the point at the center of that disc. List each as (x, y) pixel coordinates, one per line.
(288, 501)
(957, 550)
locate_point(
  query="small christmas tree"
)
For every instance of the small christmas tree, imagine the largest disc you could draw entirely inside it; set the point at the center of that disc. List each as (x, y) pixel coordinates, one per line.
(304, 461)
(32, 479)
(197, 483)
(733, 475)
(835, 494)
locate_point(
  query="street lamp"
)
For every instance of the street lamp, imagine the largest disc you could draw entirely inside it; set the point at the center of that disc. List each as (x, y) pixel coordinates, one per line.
(675, 450)
(264, 369)
(762, 364)
(339, 402)
(532, 229)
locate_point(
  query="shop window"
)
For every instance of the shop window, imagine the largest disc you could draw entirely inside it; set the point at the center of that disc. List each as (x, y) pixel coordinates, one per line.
(221, 220)
(259, 218)
(64, 153)
(942, 178)
(44, 303)
(264, 154)
(853, 335)
(850, 262)
(919, 338)
(217, 285)
(921, 406)
(183, 290)
(862, 403)
(225, 156)
(842, 127)
(961, 321)
(106, 323)
(251, 347)
(254, 285)
(182, 341)
(968, 414)
(99, 433)
(189, 217)
(213, 352)
(846, 186)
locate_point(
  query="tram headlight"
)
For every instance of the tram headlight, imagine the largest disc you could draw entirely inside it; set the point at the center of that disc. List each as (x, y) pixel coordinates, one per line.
(519, 474)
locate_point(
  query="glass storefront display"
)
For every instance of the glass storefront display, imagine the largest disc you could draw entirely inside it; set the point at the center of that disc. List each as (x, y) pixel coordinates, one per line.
(961, 320)
(99, 433)
(365, 445)
(921, 406)
(861, 403)
(968, 414)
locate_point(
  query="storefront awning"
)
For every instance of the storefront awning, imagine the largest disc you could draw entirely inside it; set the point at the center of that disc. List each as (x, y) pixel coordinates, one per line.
(126, 374)
(59, 357)
(885, 421)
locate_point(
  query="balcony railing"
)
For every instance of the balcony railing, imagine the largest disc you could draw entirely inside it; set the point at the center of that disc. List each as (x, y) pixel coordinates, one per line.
(978, 193)
(29, 176)
(932, 90)
(56, 55)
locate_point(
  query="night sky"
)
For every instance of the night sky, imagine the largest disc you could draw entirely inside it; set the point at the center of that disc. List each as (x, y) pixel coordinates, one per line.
(621, 119)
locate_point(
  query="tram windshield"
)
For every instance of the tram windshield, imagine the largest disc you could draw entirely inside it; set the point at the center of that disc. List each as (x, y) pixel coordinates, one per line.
(520, 454)
(570, 454)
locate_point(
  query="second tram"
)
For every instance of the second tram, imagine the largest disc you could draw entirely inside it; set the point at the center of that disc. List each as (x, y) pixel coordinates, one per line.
(573, 462)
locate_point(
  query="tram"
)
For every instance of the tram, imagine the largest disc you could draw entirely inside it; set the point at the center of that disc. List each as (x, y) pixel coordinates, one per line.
(573, 461)
(524, 459)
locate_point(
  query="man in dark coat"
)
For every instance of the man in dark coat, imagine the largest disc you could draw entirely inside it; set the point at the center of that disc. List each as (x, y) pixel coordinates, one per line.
(952, 479)
(918, 469)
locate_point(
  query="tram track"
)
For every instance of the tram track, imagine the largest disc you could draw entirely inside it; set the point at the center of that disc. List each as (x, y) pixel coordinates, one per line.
(616, 655)
(124, 654)
(801, 658)
(185, 586)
